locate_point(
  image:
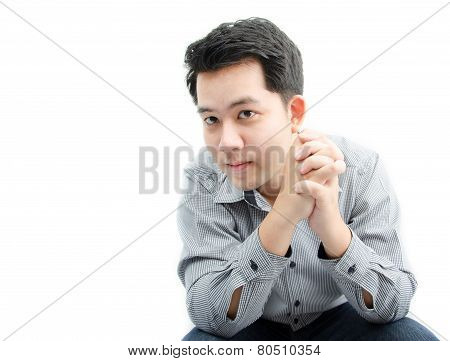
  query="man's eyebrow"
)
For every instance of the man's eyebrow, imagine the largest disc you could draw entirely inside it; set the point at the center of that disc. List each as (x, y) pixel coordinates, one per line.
(243, 100)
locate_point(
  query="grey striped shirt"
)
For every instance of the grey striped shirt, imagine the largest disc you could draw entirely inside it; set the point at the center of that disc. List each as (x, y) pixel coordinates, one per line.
(218, 225)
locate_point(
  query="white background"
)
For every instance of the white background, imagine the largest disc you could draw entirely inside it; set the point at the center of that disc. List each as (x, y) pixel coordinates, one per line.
(69, 151)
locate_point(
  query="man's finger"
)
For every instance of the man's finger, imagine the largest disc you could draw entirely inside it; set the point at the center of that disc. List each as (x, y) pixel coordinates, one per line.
(308, 135)
(313, 189)
(327, 172)
(309, 148)
(315, 161)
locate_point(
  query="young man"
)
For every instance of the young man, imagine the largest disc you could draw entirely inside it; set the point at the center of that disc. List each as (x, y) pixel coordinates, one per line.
(286, 235)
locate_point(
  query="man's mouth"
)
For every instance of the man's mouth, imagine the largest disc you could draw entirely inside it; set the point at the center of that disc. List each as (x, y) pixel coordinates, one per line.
(238, 165)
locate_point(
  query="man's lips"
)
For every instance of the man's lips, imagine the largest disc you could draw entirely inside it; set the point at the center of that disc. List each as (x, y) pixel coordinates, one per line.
(239, 167)
(237, 163)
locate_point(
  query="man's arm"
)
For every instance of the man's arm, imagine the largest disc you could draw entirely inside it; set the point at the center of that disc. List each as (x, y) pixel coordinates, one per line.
(372, 272)
(275, 232)
(343, 239)
(215, 263)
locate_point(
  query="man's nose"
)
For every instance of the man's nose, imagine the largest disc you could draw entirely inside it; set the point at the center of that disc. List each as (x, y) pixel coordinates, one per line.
(231, 138)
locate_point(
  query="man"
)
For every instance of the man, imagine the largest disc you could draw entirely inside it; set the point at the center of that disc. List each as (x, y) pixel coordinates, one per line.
(286, 235)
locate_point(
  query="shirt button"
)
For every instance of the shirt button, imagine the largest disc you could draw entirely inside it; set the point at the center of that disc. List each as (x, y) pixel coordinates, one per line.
(352, 269)
(292, 264)
(253, 265)
(295, 320)
(296, 303)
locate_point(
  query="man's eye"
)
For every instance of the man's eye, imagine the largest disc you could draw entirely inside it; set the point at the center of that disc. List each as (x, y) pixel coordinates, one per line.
(206, 120)
(247, 111)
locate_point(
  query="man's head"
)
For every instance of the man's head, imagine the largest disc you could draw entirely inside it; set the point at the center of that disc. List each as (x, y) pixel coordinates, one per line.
(251, 62)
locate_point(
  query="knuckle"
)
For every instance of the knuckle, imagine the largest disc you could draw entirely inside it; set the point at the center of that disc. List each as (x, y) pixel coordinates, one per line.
(342, 166)
(325, 154)
(335, 167)
(306, 163)
(326, 149)
(337, 154)
(310, 175)
(328, 159)
(329, 148)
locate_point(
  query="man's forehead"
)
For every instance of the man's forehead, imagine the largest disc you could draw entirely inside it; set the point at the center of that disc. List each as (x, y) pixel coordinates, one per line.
(230, 86)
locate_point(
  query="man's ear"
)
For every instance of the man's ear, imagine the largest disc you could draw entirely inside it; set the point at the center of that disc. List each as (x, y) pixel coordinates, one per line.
(296, 110)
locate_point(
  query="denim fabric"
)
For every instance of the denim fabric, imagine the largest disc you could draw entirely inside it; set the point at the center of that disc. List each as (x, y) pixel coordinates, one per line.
(341, 323)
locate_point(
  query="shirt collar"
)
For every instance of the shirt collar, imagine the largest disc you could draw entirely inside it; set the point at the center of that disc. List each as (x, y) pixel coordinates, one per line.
(227, 192)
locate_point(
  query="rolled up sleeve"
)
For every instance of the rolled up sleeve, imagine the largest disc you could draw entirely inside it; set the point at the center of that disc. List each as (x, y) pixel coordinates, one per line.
(215, 261)
(375, 260)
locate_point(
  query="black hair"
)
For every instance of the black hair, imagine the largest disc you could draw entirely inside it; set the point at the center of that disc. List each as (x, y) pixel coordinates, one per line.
(256, 38)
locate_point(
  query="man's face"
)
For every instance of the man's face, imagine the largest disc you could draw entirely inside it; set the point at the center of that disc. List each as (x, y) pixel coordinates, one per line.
(257, 131)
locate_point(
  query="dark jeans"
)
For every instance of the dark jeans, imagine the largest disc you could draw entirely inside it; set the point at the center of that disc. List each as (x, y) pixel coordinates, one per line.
(341, 323)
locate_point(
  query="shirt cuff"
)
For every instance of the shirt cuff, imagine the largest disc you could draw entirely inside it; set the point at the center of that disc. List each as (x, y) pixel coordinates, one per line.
(353, 271)
(353, 265)
(256, 263)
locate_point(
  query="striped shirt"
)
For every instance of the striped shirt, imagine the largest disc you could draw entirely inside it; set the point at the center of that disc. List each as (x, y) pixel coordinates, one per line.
(219, 224)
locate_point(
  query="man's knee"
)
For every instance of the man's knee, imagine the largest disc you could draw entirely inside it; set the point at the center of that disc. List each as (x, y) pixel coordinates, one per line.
(404, 329)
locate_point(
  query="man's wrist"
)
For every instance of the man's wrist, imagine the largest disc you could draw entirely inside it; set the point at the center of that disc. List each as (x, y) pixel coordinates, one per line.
(289, 206)
(336, 244)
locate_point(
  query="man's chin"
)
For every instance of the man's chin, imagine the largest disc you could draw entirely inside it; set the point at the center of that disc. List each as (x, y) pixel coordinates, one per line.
(244, 184)
(246, 180)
